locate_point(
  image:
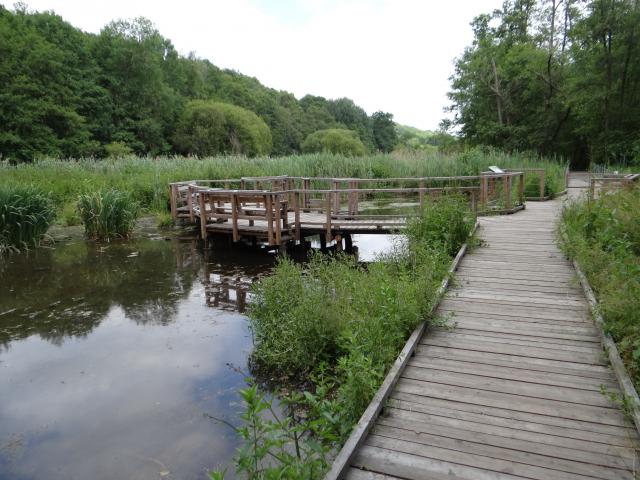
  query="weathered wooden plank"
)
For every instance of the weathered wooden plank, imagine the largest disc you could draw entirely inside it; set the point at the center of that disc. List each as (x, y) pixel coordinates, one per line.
(475, 379)
(522, 311)
(588, 413)
(531, 427)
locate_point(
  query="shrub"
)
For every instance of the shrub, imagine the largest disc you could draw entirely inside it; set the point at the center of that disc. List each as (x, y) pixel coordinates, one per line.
(604, 237)
(25, 216)
(117, 150)
(334, 140)
(107, 214)
(209, 128)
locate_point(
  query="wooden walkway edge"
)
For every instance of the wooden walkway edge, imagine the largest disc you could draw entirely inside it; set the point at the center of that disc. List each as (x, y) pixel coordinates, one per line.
(519, 388)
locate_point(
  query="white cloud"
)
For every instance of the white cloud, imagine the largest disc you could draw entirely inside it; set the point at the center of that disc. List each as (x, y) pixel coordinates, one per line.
(386, 55)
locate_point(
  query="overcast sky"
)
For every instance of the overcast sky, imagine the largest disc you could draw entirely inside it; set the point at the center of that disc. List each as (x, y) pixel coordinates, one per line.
(390, 55)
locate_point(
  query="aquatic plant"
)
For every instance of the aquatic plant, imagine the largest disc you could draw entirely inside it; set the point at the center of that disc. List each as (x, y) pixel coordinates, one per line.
(25, 215)
(342, 325)
(107, 214)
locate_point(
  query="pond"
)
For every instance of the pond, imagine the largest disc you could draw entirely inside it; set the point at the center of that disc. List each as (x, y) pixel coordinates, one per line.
(115, 360)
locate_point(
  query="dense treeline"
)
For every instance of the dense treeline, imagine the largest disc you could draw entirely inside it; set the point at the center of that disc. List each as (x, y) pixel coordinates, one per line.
(67, 93)
(555, 76)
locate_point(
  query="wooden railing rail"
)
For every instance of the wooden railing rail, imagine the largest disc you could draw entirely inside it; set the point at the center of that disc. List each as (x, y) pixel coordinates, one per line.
(611, 181)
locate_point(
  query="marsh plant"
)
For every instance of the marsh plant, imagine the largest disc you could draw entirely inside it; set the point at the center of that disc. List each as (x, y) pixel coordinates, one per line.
(107, 214)
(335, 327)
(25, 216)
(603, 236)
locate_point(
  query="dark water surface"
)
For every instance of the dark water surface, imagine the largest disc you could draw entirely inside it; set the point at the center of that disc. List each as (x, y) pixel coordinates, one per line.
(113, 358)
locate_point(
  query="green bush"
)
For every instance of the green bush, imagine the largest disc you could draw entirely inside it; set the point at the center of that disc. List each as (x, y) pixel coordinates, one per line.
(25, 216)
(603, 235)
(107, 214)
(334, 140)
(210, 128)
(117, 150)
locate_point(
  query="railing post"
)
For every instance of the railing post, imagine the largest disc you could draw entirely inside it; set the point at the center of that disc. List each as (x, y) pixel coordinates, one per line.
(328, 213)
(542, 174)
(192, 214)
(421, 193)
(296, 209)
(484, 186)
(353, 197)
(203, 216)
(507, 191)
(278, 221)
(521, 188)
(306, 185)
(173, 201)
(336, 196)
(269, 207)
(234, 217)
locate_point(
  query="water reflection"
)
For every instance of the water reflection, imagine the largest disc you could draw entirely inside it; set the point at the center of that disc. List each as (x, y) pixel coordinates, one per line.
(112, 358)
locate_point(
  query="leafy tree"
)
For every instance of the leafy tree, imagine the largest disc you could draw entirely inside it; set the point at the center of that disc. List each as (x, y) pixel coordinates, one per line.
(384, 131)
(334, 140)
(209, 128)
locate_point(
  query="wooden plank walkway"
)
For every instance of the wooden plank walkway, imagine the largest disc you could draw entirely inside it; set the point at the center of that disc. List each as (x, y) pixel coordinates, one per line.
(514, 390)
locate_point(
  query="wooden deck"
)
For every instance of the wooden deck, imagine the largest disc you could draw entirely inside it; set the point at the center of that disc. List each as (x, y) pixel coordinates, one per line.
(514, 391)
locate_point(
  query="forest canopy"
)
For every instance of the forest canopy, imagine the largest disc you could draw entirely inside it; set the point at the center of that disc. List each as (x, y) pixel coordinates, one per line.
(68, 93)
(553, 76)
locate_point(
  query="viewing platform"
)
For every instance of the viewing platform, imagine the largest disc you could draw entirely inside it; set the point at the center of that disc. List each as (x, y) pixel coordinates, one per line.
(280, 210)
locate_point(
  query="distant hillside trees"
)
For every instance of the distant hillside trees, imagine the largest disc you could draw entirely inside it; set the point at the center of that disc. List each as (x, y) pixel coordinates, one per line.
(209, 128)
(67, 93)
(334, 140)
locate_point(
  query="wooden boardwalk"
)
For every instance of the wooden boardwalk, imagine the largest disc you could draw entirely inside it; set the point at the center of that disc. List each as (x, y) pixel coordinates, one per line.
(514, 391)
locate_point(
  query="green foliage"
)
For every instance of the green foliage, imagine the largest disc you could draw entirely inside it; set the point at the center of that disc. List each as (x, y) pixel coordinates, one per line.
(445, 221)
(384, 131)
(277, 448)
(560, 85)
(146, 179)
(66, 93)
(209, 128)
(410, 138)
(107, 214)
(603, 235)
(25, 216)
(342, 324)
(334, 140)
(117, 150)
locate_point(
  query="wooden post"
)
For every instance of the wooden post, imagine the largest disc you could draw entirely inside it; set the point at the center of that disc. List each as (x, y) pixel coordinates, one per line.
(296, 209)
(234, 217)
(353, 197)
(421, 194)
(542, 173)
(328, 213)
(507, 191)
(278, 221)
(192, 214)
(306, 185)
(336, 196)
(203, 216)
(172, 201)
(521, 188)
(483, 192)
(474, 204)
(269, 207)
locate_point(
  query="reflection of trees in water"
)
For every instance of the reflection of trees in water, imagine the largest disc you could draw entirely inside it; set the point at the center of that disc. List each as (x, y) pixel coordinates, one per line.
(69, 290)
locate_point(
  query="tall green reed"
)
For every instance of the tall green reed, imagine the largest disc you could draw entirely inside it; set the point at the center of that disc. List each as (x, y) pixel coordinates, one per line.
(107, 214)
(25, 215)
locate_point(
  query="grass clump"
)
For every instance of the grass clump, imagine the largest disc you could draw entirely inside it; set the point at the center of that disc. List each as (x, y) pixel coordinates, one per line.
(603, 235)
(336, 327)
(107, 214)
(25, 216)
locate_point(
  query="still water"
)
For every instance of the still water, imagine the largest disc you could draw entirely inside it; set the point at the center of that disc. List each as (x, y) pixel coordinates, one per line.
(113, 359)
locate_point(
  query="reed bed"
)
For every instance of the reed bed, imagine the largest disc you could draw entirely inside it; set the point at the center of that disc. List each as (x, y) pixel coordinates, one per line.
(107, 214)
(25, 215)
(146, 179)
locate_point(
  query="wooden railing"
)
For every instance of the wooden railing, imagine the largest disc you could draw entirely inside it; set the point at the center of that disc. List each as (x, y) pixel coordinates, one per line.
(610, 182)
